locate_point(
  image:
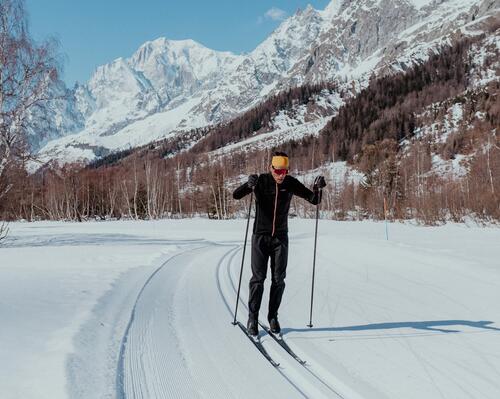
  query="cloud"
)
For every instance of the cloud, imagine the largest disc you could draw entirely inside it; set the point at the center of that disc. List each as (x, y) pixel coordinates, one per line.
(274, 14)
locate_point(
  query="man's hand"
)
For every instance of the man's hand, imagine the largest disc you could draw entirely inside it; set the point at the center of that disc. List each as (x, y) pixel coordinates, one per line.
(319, 183)
(252, 181)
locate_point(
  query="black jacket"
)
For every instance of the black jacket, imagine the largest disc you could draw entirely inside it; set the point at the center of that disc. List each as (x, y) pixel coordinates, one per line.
(273, 202)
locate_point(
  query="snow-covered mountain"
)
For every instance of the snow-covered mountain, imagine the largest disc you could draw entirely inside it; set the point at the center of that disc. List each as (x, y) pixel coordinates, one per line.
(167, 87)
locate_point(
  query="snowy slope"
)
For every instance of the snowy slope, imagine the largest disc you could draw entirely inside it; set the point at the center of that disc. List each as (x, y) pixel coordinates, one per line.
(143, 310)
(168, 87)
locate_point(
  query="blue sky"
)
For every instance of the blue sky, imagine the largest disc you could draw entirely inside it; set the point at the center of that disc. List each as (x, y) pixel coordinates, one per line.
(94, 32)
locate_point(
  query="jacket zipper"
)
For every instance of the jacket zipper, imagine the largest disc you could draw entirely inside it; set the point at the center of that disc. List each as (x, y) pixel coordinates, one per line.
(275, 206)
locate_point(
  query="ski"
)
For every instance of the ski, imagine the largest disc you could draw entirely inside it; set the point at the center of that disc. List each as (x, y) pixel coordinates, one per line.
(258, 345)
(279, 339)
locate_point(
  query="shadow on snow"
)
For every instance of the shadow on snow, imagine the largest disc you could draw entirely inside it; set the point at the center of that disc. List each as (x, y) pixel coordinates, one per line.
(61, 240)
(418, 325)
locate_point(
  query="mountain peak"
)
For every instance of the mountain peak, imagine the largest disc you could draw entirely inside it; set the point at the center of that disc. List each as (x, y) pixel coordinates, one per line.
(163, 43)
(309, 8)
(332, 9)
(104, 71)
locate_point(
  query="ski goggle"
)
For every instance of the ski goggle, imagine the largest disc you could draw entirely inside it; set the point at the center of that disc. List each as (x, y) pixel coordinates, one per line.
(280, 172)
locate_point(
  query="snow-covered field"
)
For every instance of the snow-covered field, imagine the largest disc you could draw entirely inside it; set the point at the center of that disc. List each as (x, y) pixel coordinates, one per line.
(144, 310)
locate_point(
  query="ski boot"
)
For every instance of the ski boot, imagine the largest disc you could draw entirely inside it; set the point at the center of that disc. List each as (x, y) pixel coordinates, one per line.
(252, 327)
(274, 325)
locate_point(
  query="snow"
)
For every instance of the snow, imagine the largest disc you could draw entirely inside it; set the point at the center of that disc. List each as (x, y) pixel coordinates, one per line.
(331, 10)
(363, 69)
(480, 52)
(457, 113)
(143, 309)
(293, 124)
(160, 125)
(62, 155)
(451, 123)
(454, 168)
(339, 173)
(439, 131)
(283, 119)
(159, 59)
(285, 131)
(418, 4)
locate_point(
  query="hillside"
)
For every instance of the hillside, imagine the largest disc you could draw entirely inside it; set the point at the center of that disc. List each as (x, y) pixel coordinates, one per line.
(423, 140)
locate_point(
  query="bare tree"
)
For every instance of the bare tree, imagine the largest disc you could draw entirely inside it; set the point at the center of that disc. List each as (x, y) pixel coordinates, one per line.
(4, 230)
(27, 71)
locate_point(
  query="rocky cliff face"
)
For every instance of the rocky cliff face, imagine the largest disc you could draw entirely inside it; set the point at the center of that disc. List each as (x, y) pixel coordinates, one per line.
(167, 87)
(380, 36)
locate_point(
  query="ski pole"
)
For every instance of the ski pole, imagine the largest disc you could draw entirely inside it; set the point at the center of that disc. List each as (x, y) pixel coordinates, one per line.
(243, 260)
(314, 266)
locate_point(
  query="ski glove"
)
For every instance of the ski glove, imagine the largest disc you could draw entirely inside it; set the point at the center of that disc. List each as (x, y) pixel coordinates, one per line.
(319, 183)
(252, 181)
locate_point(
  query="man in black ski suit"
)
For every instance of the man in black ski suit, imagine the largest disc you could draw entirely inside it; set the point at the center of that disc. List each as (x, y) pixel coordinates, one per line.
(273, 193)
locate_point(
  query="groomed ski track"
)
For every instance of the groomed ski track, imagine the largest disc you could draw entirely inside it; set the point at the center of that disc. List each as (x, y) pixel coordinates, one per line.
(391, 320)
(179, 341)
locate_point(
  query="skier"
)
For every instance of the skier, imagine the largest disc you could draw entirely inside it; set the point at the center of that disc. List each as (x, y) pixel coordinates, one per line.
(273, 193)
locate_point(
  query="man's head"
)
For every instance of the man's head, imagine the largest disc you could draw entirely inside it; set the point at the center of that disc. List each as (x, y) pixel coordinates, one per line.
(279, 166)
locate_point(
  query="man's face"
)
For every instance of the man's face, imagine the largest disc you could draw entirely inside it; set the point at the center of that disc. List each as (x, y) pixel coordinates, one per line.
(277, 177)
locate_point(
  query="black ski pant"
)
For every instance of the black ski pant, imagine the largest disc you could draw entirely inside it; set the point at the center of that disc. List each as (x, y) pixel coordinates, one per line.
(263, 248)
